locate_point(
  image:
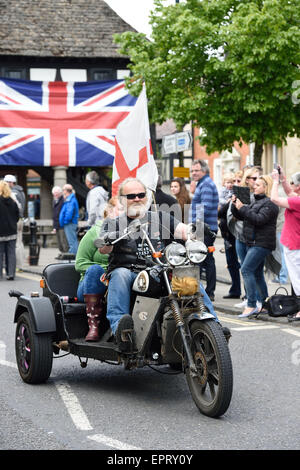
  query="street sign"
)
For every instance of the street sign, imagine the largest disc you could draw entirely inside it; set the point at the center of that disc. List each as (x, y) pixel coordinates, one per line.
(184, 141)
(181, 172)
(178, 142)
(169, 144)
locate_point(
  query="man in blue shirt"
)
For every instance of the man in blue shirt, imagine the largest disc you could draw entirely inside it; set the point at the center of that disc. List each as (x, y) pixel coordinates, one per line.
(206, 195)
(68, 217)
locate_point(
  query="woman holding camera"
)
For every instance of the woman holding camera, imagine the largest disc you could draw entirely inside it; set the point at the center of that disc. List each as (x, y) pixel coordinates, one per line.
(259, 231)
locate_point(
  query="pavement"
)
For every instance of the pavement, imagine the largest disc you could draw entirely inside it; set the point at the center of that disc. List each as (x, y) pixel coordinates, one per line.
(47, 256)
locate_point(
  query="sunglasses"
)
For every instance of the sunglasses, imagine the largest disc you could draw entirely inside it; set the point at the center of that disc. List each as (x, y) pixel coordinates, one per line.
(254, 178)
(133, 196)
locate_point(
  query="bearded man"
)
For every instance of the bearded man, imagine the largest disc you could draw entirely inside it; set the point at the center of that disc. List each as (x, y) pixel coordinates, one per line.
(130, 255)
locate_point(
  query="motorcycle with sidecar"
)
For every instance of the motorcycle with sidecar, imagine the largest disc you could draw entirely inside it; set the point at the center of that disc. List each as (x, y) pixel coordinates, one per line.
(172, 326)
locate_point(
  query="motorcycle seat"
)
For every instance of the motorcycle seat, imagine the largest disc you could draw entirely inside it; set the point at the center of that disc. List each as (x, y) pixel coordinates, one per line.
(62, 279)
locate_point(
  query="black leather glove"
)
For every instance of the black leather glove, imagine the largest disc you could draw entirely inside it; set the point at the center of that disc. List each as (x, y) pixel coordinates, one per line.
(206, 229)
(106, 239)
(209, 232)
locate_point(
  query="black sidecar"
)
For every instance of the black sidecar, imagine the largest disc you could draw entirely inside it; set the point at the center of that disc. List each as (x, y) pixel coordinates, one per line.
(55, 321)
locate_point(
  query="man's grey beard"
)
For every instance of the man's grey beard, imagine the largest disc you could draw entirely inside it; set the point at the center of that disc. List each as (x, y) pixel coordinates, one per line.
(137, 210)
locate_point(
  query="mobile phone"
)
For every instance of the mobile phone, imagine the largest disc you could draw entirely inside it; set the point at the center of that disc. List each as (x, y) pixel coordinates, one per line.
(277, 167)
(242, 193)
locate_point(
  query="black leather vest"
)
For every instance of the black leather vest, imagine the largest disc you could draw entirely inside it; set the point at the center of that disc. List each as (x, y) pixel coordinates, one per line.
(134, 253)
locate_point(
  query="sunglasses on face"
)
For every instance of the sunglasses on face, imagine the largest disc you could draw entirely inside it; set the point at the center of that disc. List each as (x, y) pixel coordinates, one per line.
(133, 196)
(254, 178)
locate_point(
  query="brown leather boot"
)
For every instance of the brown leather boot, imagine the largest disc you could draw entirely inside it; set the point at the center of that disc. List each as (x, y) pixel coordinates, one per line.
(93, 311)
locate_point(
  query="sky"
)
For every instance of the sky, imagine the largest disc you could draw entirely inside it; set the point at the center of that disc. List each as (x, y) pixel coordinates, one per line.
(135, 12)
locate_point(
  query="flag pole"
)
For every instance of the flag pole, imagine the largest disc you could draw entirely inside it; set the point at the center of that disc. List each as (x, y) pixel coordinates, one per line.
(154, 201)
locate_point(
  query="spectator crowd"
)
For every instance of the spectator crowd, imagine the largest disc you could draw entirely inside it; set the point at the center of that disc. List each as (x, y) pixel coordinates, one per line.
(257, 215)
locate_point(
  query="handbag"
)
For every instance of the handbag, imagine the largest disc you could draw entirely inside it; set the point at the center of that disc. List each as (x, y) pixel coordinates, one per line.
(282, 305)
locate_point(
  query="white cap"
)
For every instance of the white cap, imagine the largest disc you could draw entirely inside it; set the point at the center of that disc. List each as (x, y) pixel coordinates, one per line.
(10, 179)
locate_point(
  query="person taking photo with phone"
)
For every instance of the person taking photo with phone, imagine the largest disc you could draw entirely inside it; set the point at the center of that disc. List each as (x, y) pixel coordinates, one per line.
(290, 235)
(259, 231)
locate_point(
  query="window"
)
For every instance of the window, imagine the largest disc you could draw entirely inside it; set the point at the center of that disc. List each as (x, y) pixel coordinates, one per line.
(102, 74)
(13, 72)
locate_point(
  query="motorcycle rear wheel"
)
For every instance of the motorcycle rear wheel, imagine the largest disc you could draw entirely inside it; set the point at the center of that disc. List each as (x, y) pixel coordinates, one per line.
(211, 389)
(34, 352)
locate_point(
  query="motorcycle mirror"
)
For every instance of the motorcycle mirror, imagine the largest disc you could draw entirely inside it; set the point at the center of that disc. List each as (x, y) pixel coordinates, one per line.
(134, 227)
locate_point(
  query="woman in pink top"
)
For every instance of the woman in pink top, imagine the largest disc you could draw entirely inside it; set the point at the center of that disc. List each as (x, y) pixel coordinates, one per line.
(290, 235)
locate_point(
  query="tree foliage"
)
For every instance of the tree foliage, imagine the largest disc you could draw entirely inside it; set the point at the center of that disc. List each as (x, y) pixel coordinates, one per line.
(230, 66)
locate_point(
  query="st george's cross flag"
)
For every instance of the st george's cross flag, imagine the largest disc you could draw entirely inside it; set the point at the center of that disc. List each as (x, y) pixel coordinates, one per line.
(61, 123)
(134, 155)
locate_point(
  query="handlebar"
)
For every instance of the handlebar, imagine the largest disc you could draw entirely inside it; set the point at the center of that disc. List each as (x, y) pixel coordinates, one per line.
(15, 293)
(111, 238)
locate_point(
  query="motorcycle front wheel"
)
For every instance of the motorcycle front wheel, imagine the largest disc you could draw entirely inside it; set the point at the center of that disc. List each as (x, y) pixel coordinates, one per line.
(211, 388)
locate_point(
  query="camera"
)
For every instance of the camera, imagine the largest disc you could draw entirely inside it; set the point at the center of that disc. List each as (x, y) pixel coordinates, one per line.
(277, 167)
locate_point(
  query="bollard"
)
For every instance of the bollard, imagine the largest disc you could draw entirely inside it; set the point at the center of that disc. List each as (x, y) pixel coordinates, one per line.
(34, 247)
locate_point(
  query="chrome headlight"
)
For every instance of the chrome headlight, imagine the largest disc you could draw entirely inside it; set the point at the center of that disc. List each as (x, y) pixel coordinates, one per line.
(196, 251)
(175, 254)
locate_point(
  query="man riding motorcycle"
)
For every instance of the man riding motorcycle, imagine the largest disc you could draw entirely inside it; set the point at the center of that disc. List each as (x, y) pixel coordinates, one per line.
(129, 256)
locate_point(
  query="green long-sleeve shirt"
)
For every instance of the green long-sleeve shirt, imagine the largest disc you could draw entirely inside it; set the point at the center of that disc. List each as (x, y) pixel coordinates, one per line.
(87, 253)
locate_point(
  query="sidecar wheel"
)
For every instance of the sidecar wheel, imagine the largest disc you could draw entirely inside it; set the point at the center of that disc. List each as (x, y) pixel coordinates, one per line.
(211, 389)
(34, 352)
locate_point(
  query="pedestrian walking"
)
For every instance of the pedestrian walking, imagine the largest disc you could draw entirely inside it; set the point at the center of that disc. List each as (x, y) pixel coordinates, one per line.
(19, 195)
(68, 217)
(57, 203)
(9, 215)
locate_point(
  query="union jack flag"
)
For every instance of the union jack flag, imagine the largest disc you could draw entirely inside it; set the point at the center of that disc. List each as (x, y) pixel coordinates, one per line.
(61, 123)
